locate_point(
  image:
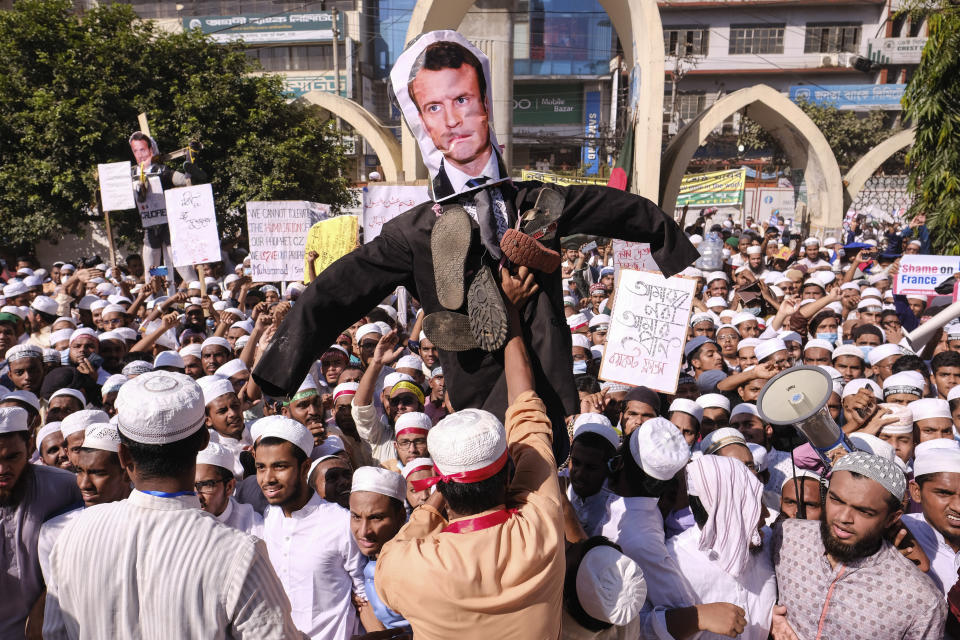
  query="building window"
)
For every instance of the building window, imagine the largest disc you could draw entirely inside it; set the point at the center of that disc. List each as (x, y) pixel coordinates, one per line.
(689, 105)
(756, 38)
(832, 37)
(685, 41)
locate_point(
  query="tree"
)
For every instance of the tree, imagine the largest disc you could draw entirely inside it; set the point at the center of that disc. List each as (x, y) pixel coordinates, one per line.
(932, 101)
(71, 87)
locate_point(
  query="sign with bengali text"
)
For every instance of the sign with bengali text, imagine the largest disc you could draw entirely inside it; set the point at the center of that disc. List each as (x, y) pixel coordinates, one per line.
(193, 225)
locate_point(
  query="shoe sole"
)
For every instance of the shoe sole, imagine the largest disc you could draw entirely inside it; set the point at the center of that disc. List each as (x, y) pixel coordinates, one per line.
(488, 316)
(526, 251)
(540, 221)
(449, 331)
(449, 244)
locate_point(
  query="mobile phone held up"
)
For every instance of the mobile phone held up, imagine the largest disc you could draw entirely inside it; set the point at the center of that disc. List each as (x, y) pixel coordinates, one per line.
(158, 271)
(247, 271)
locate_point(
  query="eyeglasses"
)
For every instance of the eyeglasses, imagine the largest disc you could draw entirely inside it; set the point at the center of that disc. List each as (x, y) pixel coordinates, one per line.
(207, 486)
(409, 444)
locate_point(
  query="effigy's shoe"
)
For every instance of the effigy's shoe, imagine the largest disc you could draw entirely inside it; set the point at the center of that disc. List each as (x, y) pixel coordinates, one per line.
(540, 222)
(449, 331)
(488, 315)
(527, 251)
(449, 244)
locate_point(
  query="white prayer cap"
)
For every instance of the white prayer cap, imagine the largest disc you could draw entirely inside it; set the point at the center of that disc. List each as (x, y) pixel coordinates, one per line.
(285, 429)
(904, 382)
(84, 331)
(904, 416)
(848, 350)
(926, 408)
(191, 350)
(160, 407)
(872, 444)
(754, 250)
(168, 359)
(213, 387)
(877, 277)
(136, 368)
(389, 310)
(836, 376)
(111, 335)
(46, 430)
(17, 311)
(797, 472)
(79, 420)
(759, 456)
(741, 269)
(128, 334)
(954, 393)
(871, 292)
(217, 455)
(73, 393)
(245, 325)
(719, 438)
(743, 316)
(43, 304)
(789, 336)
(215, 341)
(856, 384)
(830, 240)
(113, 308)
(747, 342)
(412, 422)
(383, 326)
(727, 315)
(717, 275)
(229, 279)
(811, 241)
(687, 406)
(24, 396)
(113, 383)
(580, 340)
(14, 289)
(658, 447)
(86, 302)
(392, 379)
(836, 307)
(329, 447)
(194, 284)
(68, 319)
(67, 266)
(379, 480)
(879, 469)
(870, 304)
(692, 272)
(817, 343)
(469, 445)
(596, 423)
(610, 586)
(13, 419)
(615, 387)
(118, 299)
(850, 286)
(345, 388)
(714, 401)
(102, 436)
(51, 356)
(716, 301)
(937, 443)
(769, 347)
(409, 362)
(823, 277)
(945, 460)
(417, 464)
(882, 351)
(745, 407)
(236, 312)
(703, 316)
(25, 350)
(231, 368)
(577, 321)
(365, 330)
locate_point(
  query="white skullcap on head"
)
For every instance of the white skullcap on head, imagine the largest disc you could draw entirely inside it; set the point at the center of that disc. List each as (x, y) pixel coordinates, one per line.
(747, 342)
(687, 406)
(59, 335)
(658, 447)
(759, 455)
(904, 416)
(716, 301)
(610, 586)
(823, 277)
(809, 242)
(817, 343)
(704, 316)
(215, 341)
(217, 455)
(754, 250)
(412, 422)
(86, 301)
(46, 430)
(285, 429)
(160, 407)
(946, 460)
(384, 327)
(847, 350)
(954, 393)
(856, 384)
(194, 284)
(878, 277)
(136, 368)
(596, 423)
(213, 387)
(769, 347)
(797, 473)
(338, 349)
(417, 464)
(25, 350)
(345, 388)
(789, 336)
(717, 275)
(168, 359)
(577, 321)
(191, 350)
(245, 325)
(389, 310)
(99, 304)
(110, 335)
(379, 480)
(13, 419)
(926, 408)
(937, 443)
(714, 401)
(743, 316)
(330, 447)
(44, 304)
(881, 470)
(745, 407)
(850, 286)
(102, 436)
(468, 446)
(869, 303)
(113, 383)
(872, 444)
(24, 396)
(84, 331)
(910, 382)
(871, 292)
(599, 319)
(73, 393)
(128, 334)
(367, 329)
(113, 308)
(231, 368)
(79, 421)
(580, 340)
(409, 362)
(692, 272)
(719, 438)
(882, 351)
(392, 379)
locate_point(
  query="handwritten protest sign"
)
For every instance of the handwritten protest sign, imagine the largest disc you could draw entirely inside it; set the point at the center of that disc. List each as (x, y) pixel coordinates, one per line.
(153, 209)
(384, 202)
(278, 234)
(920, 275)
(648, 328)
(331, 239)
(193, 225)
(115, 191)
(633, 255)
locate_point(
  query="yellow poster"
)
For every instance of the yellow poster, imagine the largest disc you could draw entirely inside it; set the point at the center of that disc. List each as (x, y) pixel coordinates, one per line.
(563, 181)
(331, 239)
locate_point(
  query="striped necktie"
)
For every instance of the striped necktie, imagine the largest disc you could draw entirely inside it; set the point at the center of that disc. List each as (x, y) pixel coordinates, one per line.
(498, 216)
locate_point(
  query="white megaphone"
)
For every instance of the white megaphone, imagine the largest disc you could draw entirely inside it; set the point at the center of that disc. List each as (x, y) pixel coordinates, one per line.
(798, 398)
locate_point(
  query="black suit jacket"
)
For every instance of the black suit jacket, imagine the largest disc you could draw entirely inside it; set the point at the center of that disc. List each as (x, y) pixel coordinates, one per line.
(401, 255)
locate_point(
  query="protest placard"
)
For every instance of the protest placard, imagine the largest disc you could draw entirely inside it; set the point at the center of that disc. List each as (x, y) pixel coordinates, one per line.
(153, 209)
(563, 181)
(920, 275)
(116, 192)
(648, 328)
(633, 255)
(331, 239)
(193, 225)
(278, 234)
(384, 202)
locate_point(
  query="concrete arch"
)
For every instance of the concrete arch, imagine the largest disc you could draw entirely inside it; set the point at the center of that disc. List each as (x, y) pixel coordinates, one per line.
(804, 143)
(638, 25)
(865, 167)
(367, 125)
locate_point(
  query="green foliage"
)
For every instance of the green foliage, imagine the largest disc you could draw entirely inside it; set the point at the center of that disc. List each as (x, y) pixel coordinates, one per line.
(932, 101)
(70, 91)
(849, 135)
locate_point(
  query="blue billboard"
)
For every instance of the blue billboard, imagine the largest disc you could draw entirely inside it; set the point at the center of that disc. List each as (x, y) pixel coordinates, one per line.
(591, 130)
(850, 96)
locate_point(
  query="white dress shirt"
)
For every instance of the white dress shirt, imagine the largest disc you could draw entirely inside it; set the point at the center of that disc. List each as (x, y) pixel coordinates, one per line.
(590, 510)
(242, 517)
(319, 565)
(49, 532)
(755, 590)
(944, 561)
(458, 179)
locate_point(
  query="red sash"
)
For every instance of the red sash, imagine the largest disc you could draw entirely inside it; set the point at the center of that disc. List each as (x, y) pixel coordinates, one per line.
(481, 523)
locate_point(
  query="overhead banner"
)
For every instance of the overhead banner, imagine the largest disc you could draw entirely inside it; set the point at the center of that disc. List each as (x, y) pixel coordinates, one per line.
(719, 188)
(384, 202)
(331, 239)
(850, 96)
(278, 234)
(115, 191)
(193, 225)
(648, 328)
(262, 28)
(563, 181)
(920, 275)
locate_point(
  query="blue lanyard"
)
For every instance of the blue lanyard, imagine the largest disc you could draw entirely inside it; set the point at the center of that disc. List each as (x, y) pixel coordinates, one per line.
(164, 494)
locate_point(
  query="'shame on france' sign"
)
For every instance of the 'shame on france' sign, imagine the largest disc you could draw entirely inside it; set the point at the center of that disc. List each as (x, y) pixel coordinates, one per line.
(648, 329)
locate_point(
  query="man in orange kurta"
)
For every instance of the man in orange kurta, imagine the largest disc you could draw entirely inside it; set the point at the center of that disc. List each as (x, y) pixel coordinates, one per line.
(495, 571)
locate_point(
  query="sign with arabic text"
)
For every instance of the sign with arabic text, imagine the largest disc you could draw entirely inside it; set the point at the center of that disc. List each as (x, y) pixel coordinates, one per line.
(712, 189)
(384, 202)
(193, 225)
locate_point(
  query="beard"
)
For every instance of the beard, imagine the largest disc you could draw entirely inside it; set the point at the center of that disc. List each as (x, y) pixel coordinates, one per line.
(843, 552)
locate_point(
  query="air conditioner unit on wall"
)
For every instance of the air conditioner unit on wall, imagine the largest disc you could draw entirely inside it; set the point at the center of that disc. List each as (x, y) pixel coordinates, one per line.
(846, 59)
(828, 61)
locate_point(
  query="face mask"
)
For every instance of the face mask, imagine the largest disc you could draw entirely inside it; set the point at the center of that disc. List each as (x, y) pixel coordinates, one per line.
(865, 350)
(579, 366)
(754, 311)
(829, 337)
